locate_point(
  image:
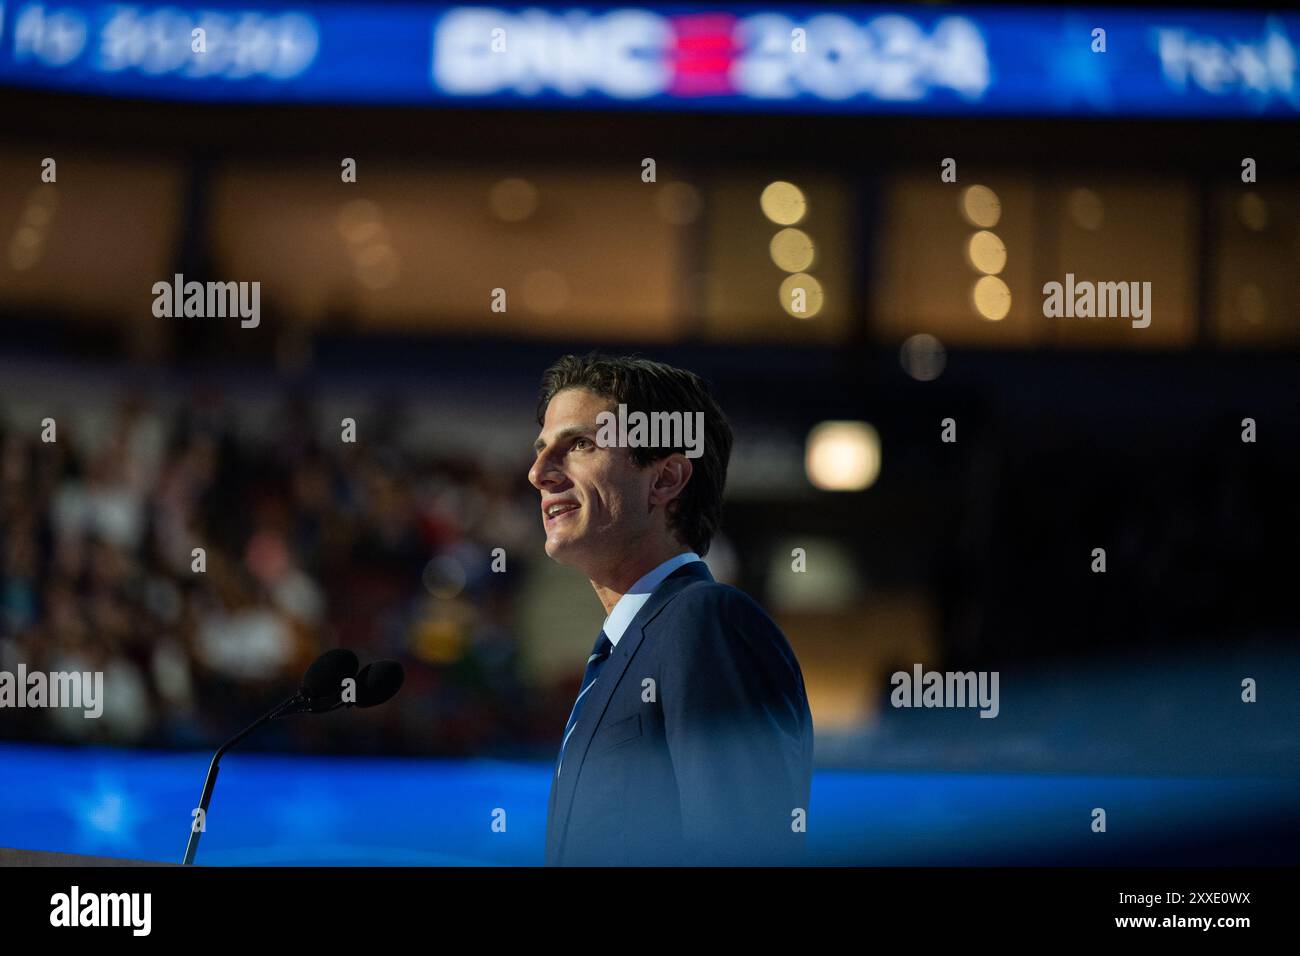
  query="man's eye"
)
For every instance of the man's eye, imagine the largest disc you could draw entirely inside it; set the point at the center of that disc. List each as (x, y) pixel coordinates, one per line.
(582, 443)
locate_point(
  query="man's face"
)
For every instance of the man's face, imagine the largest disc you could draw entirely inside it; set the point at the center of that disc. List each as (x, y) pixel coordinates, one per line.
(595, 501)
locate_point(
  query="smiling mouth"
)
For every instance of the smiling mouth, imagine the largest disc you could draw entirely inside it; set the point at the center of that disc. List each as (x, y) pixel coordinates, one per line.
(558, 512)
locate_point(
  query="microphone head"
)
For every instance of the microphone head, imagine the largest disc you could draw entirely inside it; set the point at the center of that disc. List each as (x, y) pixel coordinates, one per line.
(378, 682)
(322, 685)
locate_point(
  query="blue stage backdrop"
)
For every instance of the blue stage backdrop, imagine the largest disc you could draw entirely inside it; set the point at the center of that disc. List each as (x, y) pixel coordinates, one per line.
(909, 59)
(360, 811)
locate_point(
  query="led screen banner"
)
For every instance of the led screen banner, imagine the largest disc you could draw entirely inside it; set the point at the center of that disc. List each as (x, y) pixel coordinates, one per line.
(869, 59)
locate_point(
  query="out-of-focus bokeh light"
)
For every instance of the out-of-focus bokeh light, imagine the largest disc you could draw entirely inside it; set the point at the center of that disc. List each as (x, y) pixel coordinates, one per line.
(377, 266)
(923, 357)
(987, 252)
(783, 203)
(836, 587)
(811, 289)
(27, 244)
(444, 577)
(792, 250)
(992, 298)
(981, 206)
(1086, 209)
(513, 199)
(375, 263)
(1253, 212)
(842, 456)
(358, 220)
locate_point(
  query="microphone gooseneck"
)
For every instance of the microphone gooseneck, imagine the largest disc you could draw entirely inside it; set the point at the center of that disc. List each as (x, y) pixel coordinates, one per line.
(321, 691)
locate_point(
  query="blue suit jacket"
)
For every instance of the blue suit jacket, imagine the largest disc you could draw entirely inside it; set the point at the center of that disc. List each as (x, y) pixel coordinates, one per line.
(696, 744)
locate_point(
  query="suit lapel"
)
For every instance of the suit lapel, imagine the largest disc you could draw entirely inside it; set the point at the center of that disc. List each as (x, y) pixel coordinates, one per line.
(593, 710)
(551, 842)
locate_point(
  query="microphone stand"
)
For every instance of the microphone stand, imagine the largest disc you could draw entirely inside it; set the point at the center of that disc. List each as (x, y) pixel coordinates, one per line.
(210, 782)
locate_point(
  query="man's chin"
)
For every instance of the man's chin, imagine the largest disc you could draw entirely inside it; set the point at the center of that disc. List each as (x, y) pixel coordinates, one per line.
(564, 551)
(559, 550)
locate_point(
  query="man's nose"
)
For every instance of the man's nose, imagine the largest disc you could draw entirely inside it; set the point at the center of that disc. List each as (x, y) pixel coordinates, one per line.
(543, 474)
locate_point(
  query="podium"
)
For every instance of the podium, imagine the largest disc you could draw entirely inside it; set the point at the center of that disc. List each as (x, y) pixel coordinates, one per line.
(12, 857)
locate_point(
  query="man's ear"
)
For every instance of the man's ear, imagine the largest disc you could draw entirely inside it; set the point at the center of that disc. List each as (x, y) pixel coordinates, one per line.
(671, 475)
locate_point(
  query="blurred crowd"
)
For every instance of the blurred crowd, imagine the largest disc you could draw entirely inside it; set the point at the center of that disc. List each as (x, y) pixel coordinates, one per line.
(305, 545)
(201, 565)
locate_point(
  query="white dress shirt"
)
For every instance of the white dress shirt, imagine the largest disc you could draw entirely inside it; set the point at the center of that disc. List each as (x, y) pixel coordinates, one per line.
(632, 602)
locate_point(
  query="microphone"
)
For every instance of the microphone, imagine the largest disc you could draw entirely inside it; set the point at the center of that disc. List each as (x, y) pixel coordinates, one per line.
(322, 685)
(378, 682)
(375, 684)
(321, 691)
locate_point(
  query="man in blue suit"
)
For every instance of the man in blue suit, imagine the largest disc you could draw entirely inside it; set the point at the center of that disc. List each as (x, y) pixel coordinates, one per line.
(690, 740)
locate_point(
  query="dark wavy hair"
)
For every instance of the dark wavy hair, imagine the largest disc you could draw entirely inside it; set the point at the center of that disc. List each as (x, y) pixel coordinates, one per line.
(646, 386)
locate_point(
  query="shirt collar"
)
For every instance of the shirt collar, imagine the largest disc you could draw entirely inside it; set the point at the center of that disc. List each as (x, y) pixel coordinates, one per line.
(631, 602)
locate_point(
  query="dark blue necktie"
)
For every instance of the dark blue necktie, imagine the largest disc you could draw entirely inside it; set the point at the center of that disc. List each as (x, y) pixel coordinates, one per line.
(599, 654)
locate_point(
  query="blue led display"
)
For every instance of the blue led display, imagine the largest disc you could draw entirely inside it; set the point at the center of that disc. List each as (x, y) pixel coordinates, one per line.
(903, 60)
